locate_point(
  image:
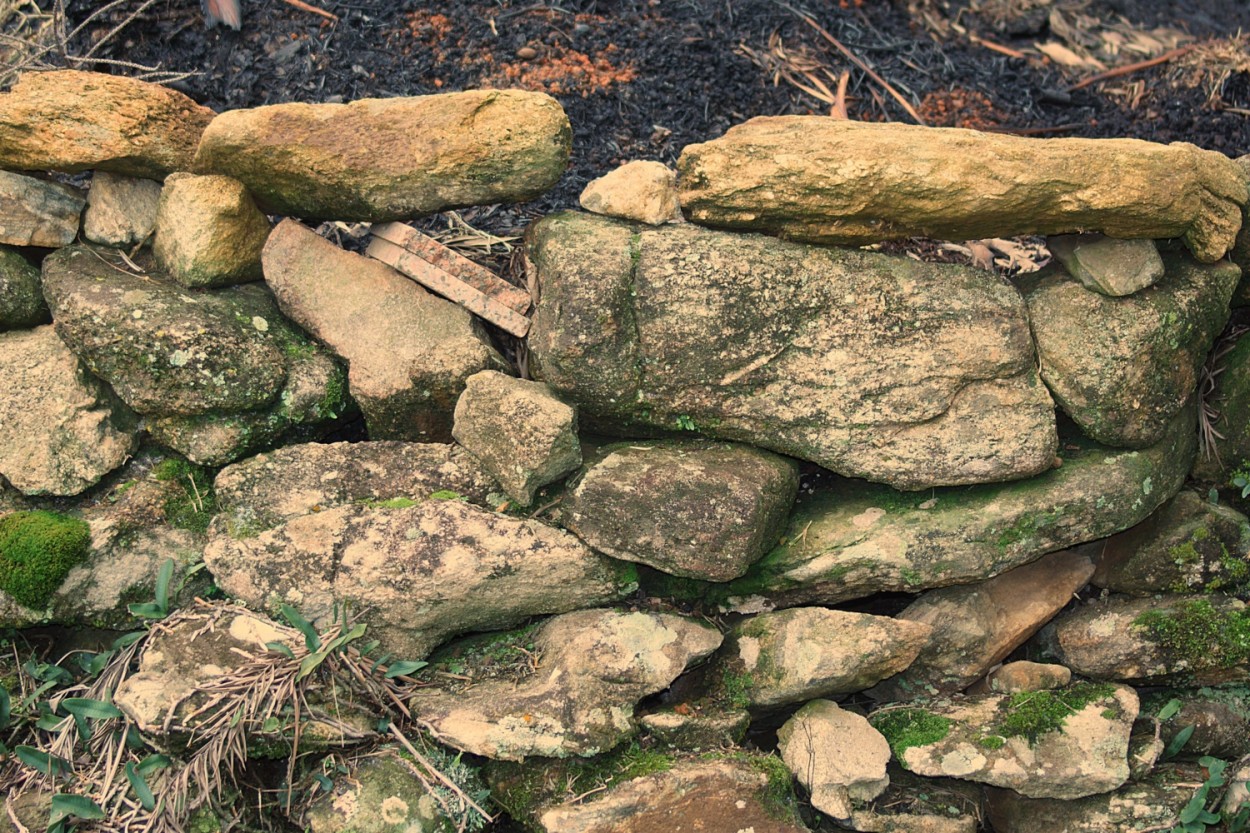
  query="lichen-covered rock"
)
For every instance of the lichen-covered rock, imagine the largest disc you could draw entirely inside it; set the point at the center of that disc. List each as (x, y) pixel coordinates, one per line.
(34, 212)
(121, 210)
(694, 509)
(596, 666)
(836, 754)
(1024, 675)
(21, 294)
(523, 435)
(408, 352)
(1195, 640)
(1106, 265)
(164, 350)
(69, 120)
(808, 652)
(642, 191)
(1231, 398)
(391, 159)
(852, 540)
(838, 181)
(1049, 744)
(418, 573)
(61, 430)
(1190, 545)
(209, 232)
(1122, 367)
(874, 366)
(975, 626)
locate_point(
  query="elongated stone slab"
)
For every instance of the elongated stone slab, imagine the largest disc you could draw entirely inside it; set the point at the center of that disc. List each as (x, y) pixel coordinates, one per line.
(907, 373)
(34, 212)
(836, 181)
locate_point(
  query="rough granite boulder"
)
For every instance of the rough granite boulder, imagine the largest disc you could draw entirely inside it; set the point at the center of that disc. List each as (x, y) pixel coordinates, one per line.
(522, 434)
(61, 429)
(579, 700)
(72, 121)
(121, 210)
(391, 159)
(21, 293)
(836, 755)
(642, 191)
(35, 212)
(794, 655)
(975, 626)
(209, 232)
(1122, 367)
(850, 540)
(1106, 265)
(408, 351)
(874, 366)
(695, 509)
(1053, 744)
(270, 489)
(418, 573)
(837, 181)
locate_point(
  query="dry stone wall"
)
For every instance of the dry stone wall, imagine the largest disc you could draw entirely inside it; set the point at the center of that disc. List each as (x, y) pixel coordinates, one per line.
(738, 470)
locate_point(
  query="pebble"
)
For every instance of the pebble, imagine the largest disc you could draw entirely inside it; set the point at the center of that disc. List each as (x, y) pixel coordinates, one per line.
(527, 53)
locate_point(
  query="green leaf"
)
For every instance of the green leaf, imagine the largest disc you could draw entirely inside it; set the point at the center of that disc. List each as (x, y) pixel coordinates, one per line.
(140, 786)
(147, 610)
(65, 805)
(1195, 807)
(47, 673)
(280, 648)
(345, 638)
(311, 638)
(309, 664)
(323, 782)
(163, 578)
(6, 707)
(1178, 742)
(1170, 708)
(403, 669)
(92, 709)
(50, 722)
(153, 763)
(128, 639)
(42, 761)
(271, 724)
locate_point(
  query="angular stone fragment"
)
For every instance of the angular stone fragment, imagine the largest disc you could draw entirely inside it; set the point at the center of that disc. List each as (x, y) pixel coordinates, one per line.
(836, 181)
(408, 352)
(1106, 265)
(1195, 640)
(75, 121)
(1190, 545)
(849, 540)
(523, 435)
(209, 232)
(391, 159)
(1121, 367)
(21, 293)
(418, 573)
(267, 490)
(696, 730)
(61, 430)
(874, 366)
(596, 665)
(1023, 675)
(35, 212)
(975, 626)
(642, 191)
(694, 509)
(837, 755)
(1231, 398)
(162, 349)
(799, 654)
(1053, 744)
(121, 210)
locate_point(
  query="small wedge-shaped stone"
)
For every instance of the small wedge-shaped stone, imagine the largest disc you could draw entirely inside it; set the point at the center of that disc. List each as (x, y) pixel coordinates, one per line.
(419, 574)
(271, 489)
(837, 181)
(695, 509)
(21, 293)
(209, 232)
(596, 666)
(836, 754)
(881, 367)
(74, 121)
(121, 210)
(1067, 744)
(391, 159)
(61, 430)
(850, 541)
(34, 212)
(642, 191)
(975, 626)
(1121, 367)
(524, 436)
(162, 349)
(1107, 265)
(806, 652)
(408, 352)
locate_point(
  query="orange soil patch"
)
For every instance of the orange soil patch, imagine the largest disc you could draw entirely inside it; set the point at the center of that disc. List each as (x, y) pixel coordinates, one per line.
(959, 108)
(561, 71)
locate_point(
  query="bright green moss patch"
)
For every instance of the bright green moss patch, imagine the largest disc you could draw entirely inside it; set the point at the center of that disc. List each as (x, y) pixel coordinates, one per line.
(1031, 714)
(992, 741)
(1195, 630)
(905, 728)
(37, 550)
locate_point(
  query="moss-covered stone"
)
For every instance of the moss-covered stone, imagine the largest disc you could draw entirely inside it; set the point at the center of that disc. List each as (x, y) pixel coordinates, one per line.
(21, 297)
(1195, 629)
(1031, 714)
(906, 727)
(37, 551)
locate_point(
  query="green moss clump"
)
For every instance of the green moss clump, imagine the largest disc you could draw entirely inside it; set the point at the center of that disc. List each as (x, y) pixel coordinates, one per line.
(390, 503)
(1194, 630)
(192, 504)
(1032, 714)
(735, 688)
(992, 741)
(37, 551)
(905, 728)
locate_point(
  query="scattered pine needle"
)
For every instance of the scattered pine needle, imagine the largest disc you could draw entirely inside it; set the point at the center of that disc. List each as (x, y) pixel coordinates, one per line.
(302, 6)
(1128, 69)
